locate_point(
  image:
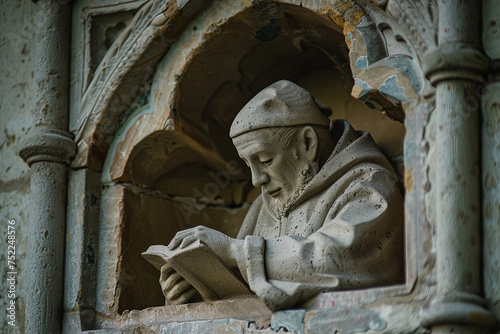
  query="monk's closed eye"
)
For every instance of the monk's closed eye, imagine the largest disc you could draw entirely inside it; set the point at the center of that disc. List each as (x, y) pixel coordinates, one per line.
(267, 162)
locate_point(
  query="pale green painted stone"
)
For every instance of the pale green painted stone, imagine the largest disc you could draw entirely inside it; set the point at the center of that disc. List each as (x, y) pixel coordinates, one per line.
(391, 88)
(199, 327)
(291, 320)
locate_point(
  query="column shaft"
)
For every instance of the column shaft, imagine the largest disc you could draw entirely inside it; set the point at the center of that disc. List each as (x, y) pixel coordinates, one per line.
(455, 68)
(491, 156)
(44, 307)
(48, 149)
(457, 185)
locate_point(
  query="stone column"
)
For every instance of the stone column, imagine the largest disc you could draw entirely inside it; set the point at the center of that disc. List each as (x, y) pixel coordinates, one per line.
(48, 149)
(491, 155)
(455, 68)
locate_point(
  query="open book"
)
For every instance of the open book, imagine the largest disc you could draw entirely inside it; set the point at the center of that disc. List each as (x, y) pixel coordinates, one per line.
(204, 270)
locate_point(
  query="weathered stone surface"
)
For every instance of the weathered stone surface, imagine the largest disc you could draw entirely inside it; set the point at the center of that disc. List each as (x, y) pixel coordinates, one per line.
(202, 327)
(402, 31)
(137, 157)
(343, 320)
(491, 194)
(291, 321)
(229, 326)
(139, 330)
(81, 248)
(17, 91)
(251, 309)
(454, 67)
(47, 149)
(491, 158)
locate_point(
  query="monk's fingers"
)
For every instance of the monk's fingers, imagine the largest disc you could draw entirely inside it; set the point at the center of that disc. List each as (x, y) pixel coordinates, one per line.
(183, 298)
(179, 289)
(165, 272)
(188, 241)
(171, 281)
(174, 243)
(179, 237)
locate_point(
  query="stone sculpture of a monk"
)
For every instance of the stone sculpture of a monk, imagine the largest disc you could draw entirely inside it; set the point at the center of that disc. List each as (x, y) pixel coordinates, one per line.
(330, 215)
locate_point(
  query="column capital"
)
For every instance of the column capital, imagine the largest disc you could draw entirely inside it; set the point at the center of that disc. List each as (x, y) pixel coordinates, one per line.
(455, 61)
(47, 144)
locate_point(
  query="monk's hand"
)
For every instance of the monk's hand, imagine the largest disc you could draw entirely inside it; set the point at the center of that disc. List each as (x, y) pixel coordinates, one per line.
(175, 288)
(226, 248)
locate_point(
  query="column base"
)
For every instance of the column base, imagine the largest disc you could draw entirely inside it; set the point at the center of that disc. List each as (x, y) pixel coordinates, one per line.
(461, 313)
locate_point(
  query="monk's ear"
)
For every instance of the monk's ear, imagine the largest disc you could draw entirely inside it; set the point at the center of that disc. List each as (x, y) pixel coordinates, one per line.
(308, 140)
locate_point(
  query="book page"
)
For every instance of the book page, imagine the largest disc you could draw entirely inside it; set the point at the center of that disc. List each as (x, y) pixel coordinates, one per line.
(204, 270)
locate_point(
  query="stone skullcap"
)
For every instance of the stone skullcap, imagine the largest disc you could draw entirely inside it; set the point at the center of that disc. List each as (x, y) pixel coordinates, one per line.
(283, 103)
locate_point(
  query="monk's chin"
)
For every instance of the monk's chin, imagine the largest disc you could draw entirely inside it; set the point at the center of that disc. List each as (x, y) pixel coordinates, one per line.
(280, 206)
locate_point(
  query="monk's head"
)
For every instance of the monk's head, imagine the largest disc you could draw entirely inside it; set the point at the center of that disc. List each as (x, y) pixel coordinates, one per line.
(282, 135)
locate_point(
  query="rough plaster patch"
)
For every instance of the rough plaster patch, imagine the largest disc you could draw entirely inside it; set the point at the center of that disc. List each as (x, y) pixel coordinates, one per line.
(401, 318)
(362, 62)
(410, 69)
(16, 101)
(290, 320)
(347, 15)
(14, 205)
(201, 327)
(361, 88)
(221, 326)
(17, 92)
(391, 89)
(343, 320)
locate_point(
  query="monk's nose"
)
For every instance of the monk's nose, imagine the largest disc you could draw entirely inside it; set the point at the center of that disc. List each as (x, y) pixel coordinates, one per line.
(259, 178)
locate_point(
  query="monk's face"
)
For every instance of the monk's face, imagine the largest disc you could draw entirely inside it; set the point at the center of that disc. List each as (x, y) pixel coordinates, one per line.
(275, 166)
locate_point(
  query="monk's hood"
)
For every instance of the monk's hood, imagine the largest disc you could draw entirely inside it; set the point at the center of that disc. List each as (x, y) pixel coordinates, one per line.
(352, 148)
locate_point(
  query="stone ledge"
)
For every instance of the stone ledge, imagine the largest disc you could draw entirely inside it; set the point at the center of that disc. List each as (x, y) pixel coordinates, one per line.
(248, 308)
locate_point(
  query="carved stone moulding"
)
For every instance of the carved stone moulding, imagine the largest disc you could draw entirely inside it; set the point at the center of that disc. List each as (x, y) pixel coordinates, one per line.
(120, 77)
(46, 144)
(129, 65)
(455, 61)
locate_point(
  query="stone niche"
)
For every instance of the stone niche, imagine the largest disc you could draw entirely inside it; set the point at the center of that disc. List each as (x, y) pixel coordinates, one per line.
(189, 173)
(171, 165)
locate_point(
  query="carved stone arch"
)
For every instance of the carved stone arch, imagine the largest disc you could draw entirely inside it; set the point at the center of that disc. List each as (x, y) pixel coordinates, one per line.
(163, 128)
(381, 76)
(125, 70)
(129, 65)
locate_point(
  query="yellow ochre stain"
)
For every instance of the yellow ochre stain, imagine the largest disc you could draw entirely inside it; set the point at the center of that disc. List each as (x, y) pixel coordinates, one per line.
(345, 14)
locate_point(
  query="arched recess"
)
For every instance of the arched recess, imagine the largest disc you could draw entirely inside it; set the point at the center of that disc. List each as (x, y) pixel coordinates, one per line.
(170, 157)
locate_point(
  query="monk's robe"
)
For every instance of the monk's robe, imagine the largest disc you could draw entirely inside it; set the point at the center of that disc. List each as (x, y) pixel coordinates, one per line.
(344, 230)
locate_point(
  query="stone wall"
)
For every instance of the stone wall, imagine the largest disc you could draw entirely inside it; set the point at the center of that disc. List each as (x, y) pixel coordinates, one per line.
(110, 17)
(17, 91)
